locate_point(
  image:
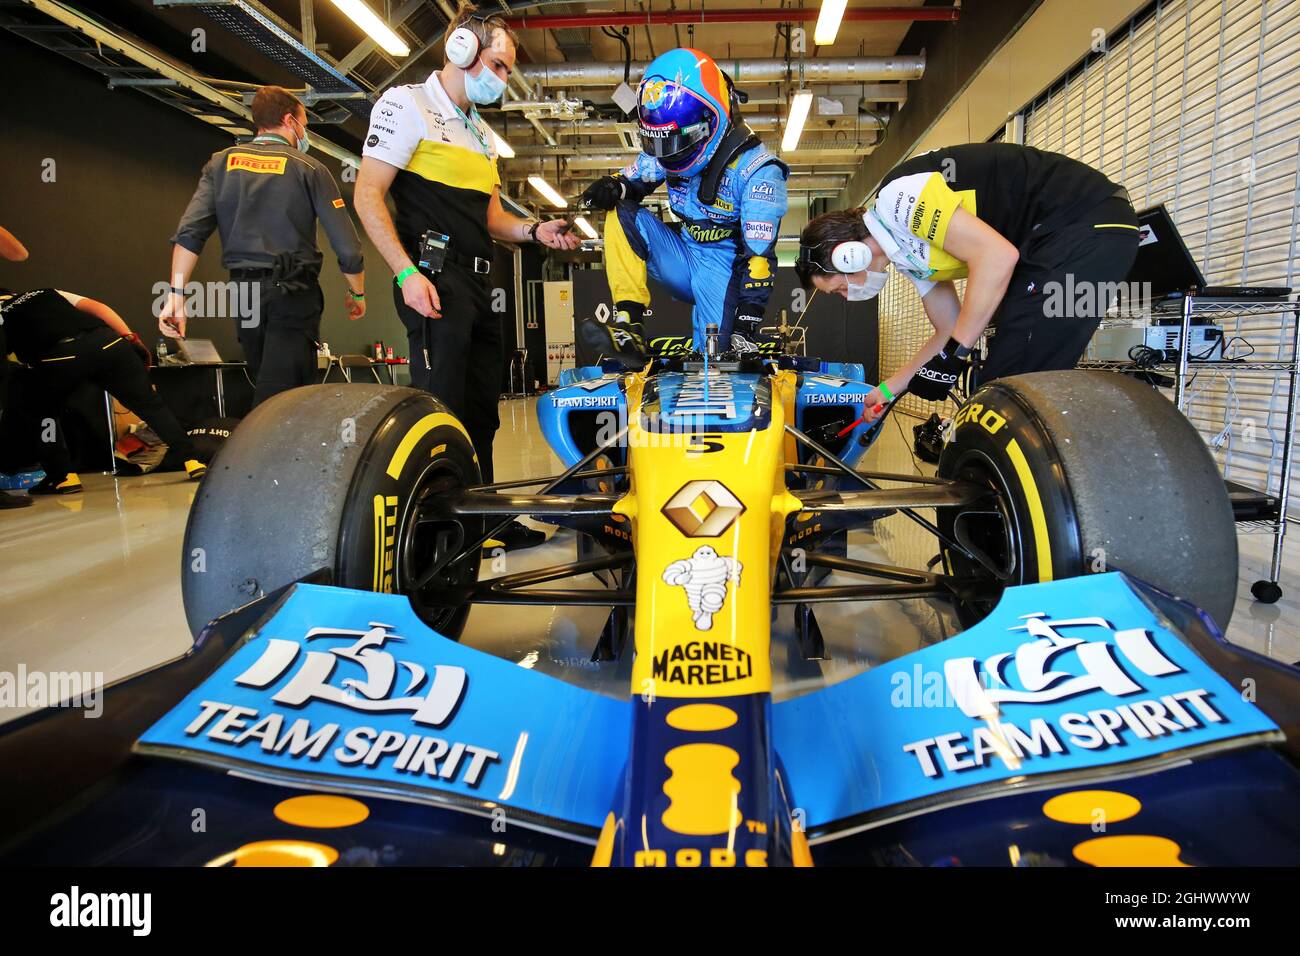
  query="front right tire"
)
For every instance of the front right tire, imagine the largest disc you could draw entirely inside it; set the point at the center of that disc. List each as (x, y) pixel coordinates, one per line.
(1094, 472)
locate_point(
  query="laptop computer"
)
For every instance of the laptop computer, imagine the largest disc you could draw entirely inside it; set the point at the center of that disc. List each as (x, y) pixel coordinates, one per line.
(1164, 261)
(200, 352)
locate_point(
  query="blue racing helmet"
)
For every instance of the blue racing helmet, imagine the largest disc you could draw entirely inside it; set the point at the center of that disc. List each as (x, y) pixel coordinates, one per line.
(683, 109)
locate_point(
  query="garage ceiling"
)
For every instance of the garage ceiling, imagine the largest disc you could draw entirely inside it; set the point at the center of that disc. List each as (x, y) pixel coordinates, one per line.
(559, 116)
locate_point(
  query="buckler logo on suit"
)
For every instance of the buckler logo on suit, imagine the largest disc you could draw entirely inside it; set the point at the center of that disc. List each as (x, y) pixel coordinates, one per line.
(253, 163)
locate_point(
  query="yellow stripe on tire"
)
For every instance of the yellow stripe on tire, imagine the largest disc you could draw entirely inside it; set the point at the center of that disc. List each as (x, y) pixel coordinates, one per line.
(1037, 517)
(412, 438)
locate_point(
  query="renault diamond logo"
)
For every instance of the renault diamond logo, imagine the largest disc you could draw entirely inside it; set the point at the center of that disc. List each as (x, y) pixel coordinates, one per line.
(703, 509)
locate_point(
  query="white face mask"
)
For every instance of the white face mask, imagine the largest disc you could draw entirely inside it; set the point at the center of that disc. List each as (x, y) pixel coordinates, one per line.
(484, 87)
(862, 291)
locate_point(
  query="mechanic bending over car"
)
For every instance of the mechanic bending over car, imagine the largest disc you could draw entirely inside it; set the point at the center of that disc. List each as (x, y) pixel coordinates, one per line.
(428, 144)
(265, 197)
(64, 340)
(727, 188)
(1010, 220)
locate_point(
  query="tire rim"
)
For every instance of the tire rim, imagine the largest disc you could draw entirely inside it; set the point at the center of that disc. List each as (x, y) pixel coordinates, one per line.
(424, 542)
(995, 532)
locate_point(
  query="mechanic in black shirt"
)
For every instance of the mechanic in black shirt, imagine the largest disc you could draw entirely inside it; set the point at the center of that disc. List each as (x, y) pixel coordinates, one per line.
(1015, 222)
(265, 197)
(428, 144)
(64, 340)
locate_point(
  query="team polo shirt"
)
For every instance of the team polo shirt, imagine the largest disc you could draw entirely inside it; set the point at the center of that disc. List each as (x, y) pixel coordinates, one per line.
(1020, 191)
(446, 165)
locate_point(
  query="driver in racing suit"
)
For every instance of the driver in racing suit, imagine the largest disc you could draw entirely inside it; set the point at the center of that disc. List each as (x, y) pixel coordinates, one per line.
(727, 189)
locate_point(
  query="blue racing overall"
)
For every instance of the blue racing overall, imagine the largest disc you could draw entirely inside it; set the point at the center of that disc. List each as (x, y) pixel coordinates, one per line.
(721, 257)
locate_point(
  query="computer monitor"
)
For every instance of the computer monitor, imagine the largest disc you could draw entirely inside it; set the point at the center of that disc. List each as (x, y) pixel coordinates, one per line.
(200, 352)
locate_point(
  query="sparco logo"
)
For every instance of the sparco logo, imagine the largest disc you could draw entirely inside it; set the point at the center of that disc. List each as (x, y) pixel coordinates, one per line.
(947, 378)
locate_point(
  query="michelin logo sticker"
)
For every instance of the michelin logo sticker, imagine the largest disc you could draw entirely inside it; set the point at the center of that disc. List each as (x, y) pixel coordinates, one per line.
(704, 576)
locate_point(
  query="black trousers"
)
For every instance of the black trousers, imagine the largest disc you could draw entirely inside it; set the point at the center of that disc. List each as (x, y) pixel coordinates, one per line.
(37, 394)
(280, 346)
(1055, 299)
(464, 349)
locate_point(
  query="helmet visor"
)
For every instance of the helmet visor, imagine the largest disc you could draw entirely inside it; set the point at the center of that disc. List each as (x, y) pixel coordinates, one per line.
(666, 143)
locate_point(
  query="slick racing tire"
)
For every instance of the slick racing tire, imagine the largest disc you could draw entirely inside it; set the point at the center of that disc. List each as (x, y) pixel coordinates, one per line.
(330, 476)
(1093, 472)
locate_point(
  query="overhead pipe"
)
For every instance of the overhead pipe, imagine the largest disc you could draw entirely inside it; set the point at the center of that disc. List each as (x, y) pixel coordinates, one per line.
(755, 121)
(797, 183)
(841, 69)
(587, 161)
(647, 18)
(541, 158)
(530, 156)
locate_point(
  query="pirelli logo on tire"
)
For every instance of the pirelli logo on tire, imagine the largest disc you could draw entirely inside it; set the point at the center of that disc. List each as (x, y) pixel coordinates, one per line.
(385, 543)
(975, 412)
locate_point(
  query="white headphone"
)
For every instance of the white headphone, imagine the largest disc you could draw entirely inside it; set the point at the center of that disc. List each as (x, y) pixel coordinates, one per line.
(463, 47)
(851, 257)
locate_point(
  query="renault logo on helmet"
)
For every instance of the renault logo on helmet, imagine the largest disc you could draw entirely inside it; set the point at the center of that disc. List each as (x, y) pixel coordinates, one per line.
(703, 509)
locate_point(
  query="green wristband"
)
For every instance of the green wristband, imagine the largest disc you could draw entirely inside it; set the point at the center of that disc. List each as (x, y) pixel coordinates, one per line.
(884, 390)
(359, 295)
(404, 274)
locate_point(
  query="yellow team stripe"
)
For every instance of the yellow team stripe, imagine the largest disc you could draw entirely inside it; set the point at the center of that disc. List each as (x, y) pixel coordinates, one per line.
(1114, 225)
(455, 166)
(625, 270)
(1036, 515)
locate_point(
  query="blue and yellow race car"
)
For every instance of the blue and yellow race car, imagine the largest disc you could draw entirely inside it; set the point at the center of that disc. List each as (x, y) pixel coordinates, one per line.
(1090, 712)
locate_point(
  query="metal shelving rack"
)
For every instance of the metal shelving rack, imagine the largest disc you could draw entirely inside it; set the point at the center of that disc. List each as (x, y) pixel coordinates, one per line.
(1198, 307)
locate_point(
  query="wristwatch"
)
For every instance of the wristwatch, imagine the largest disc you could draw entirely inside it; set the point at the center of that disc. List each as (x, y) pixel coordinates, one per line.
(532, 230)
(956, 349)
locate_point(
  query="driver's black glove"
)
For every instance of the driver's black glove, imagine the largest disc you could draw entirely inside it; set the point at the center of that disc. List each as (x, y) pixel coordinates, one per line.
(745, 336)
(628, 342)
(625, 336)
(604, 193)
(936, 378)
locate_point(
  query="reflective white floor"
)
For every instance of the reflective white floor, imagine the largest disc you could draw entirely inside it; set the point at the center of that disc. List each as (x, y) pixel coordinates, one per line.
(92, 583)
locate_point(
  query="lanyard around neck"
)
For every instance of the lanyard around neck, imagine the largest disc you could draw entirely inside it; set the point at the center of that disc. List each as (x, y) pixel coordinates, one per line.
(472, 127)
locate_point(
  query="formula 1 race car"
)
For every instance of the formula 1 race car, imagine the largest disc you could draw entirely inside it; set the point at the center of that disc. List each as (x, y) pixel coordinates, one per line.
(327, 714)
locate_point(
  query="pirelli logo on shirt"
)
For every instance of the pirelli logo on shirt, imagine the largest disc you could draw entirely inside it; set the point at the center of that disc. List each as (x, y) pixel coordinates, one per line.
(257, 163)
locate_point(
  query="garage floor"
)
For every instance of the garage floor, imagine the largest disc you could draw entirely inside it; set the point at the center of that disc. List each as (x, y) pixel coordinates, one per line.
(91, 583)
